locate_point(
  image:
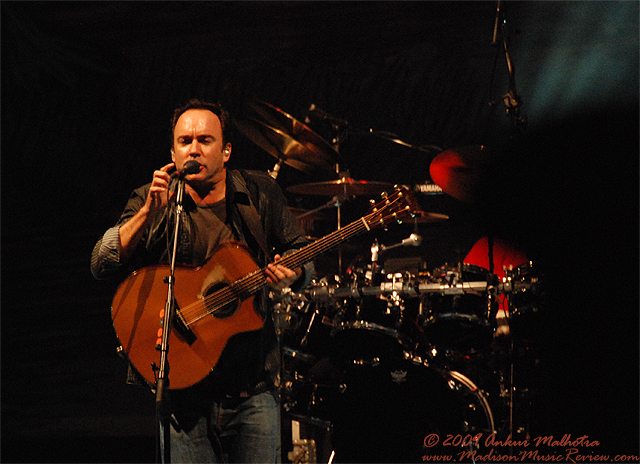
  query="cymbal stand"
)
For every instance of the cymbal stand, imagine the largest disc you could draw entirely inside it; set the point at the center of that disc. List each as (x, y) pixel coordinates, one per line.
(318, 114)
(336, 201)
(339, 133)
(276, 169)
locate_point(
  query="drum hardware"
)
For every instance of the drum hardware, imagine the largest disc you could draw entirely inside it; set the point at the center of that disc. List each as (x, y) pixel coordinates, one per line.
(317, 115)
(406, 289)
(388, 369)
(413, 240)
(391, 291)
(525, 289)
(304, 451)
(316, 444)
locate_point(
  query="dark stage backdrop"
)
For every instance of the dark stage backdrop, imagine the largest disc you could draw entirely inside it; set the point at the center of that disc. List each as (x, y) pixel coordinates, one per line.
(88, 89)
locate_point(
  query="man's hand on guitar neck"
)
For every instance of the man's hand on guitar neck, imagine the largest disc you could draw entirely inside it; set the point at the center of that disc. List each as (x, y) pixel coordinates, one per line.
(278, 276)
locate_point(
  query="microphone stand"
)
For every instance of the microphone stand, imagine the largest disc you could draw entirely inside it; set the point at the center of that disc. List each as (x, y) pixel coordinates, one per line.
(511, 100)
(519, 122)
(163, 404)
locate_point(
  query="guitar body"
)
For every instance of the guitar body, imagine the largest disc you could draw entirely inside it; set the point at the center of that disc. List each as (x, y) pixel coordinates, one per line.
(215, 301)
(141, 297)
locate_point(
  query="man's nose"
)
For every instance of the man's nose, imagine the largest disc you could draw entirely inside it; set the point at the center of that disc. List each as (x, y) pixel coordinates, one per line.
(195, 150)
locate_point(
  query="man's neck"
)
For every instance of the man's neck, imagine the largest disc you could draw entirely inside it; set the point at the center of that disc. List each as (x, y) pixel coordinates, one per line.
(207, 194)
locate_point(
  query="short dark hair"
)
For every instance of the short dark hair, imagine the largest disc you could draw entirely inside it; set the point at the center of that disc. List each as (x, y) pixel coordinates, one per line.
(215, 108)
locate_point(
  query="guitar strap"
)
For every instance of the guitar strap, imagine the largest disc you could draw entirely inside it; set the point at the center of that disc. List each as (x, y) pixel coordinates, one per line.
(250, 216)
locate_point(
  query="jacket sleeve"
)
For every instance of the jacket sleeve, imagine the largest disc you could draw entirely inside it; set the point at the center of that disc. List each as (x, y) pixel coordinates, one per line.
(105, 257)
(286, 232)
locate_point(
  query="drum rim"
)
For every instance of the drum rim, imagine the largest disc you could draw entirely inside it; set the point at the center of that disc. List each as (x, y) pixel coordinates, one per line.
(478, 392)
(366, 325)
(459, 317)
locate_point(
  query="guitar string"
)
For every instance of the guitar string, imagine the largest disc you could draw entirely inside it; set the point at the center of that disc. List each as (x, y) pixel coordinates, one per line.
(253, 281)
(250, 283)
(256, 279)
(247, 285)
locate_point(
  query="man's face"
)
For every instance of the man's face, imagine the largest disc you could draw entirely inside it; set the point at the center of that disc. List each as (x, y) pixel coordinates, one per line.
(198, 136)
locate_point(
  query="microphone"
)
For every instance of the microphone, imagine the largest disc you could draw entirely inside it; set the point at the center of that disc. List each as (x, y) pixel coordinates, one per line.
(412, 240)
(190, 167)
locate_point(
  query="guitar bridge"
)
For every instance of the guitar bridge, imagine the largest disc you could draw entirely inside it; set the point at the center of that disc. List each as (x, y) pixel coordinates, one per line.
(182, 329)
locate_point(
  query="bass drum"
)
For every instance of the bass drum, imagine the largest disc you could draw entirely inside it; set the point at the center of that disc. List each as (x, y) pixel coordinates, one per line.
(387, 412)
(458, 323)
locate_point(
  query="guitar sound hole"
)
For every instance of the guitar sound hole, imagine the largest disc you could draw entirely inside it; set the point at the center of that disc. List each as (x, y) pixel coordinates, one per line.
(214, 306)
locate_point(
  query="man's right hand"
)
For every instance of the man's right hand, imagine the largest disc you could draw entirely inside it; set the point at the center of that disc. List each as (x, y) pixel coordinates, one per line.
(157, 197)
(131, 231)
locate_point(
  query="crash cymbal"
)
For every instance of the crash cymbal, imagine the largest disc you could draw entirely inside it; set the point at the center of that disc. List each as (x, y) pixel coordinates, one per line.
(460, 172)
(345, 187)
(294, 142)
(299, 155)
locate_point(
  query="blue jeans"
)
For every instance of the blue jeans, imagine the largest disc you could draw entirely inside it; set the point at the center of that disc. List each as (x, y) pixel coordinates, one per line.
(248, 431)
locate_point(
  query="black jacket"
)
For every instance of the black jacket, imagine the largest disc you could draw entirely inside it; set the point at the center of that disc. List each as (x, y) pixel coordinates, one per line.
(256, 212)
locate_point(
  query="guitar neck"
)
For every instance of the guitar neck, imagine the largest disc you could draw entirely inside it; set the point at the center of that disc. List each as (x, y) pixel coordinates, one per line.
(311, 251)
(398, 205)
(252, 282)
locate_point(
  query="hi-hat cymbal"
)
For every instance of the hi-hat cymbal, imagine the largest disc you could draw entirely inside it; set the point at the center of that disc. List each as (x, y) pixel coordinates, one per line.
(289, 140)
(345, 187)
(460, 172)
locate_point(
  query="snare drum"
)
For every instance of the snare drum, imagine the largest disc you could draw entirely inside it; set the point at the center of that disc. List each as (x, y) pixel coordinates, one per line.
(458, 322)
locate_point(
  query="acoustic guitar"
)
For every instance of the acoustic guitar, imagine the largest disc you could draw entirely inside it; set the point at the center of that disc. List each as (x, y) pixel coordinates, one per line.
(215, 301)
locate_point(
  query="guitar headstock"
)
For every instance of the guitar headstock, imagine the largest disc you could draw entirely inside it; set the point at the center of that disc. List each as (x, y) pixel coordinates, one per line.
(396, 206)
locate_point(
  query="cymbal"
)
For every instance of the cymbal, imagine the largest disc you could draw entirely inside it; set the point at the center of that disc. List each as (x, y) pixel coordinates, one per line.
(460, 172)
(391, 137)
(288, 139)
(345, 187)
(292, 152)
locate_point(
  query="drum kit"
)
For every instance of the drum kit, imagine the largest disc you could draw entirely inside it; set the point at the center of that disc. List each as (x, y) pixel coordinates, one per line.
(381, 356)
